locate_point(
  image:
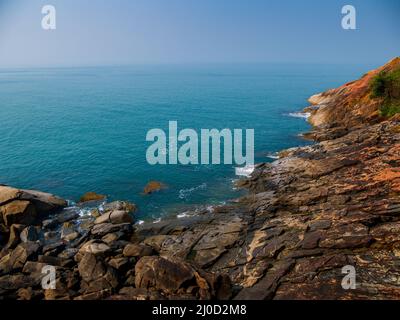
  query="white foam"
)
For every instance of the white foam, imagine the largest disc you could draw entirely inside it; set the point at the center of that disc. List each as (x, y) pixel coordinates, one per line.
(182, 215)
(303, 115)
(185, 193)
(140, 222)
(245, 171)
(210, 209)
(273, 156)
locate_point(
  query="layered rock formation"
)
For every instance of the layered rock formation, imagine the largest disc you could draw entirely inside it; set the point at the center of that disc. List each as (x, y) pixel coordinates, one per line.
(306, 216)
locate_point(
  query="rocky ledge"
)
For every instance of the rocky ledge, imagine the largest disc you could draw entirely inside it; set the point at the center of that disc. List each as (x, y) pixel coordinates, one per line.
(317, 209)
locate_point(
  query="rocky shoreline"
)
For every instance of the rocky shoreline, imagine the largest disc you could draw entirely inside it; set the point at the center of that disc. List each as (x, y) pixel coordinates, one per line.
(307, 215)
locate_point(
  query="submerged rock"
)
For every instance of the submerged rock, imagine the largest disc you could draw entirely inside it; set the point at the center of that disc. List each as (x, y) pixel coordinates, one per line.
(153, 186)
(91, 196)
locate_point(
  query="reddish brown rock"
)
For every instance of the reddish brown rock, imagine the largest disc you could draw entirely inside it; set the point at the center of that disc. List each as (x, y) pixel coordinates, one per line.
(91, 196)
(153, 186)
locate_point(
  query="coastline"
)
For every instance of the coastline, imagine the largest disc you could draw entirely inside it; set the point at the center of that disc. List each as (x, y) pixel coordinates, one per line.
(308, 214)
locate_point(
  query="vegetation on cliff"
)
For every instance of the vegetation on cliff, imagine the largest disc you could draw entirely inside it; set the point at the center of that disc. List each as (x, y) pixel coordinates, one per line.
(370, 99)
(386, 86)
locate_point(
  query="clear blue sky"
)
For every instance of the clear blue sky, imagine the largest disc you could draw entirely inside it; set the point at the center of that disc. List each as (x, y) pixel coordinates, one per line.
(99, 32)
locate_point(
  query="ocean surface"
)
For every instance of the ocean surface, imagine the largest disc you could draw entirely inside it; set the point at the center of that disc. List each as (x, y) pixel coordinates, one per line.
(72, 130)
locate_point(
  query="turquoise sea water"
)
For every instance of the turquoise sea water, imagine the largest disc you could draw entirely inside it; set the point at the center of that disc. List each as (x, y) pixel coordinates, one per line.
(72, 130)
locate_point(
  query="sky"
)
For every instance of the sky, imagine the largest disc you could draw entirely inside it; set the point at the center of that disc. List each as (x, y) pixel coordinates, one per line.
(121, 32)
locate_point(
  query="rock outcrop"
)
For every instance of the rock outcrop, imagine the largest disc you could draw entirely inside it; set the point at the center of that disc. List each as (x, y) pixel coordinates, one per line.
(307, 218)
(350, 105)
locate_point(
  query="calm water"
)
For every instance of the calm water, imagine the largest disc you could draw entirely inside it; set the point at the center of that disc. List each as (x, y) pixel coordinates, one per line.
(72, 130)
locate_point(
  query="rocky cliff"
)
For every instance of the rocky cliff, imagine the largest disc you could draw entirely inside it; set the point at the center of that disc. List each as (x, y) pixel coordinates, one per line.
(350, 105)
(314, 211)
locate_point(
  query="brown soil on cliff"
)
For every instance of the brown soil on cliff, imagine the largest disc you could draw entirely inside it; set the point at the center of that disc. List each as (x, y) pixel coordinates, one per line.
(351, 104)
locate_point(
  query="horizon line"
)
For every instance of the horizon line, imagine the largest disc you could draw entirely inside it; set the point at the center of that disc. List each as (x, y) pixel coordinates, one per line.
(105, 65)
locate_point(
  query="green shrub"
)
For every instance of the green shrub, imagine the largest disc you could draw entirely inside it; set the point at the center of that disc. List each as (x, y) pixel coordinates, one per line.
(378, 85)
(386, 85)
(389, 110)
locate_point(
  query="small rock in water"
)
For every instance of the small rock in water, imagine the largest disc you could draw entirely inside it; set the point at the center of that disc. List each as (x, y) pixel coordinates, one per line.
(91, 196)
(153, 186)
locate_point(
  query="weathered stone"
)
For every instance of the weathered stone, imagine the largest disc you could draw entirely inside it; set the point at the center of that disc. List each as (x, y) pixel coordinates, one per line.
(162, 274)
(114, 217)
(60, 218)
(55, 261)
(119, 263)
(138, 250)
(156, 242)
(54, 248)
(17, 281)
(101, 230)
(120, 206)
(17, 258)
(91, 268)
(18, 212)
(44, 203)
(96, 274)
(68, 253)
(14, 237)
(95, 247)
(33, 267)
(71, 236)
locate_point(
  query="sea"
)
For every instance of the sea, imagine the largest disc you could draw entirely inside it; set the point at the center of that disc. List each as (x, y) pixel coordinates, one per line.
(72, 130)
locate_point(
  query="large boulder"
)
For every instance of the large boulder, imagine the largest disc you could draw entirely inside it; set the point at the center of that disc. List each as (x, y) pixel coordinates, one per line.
(96, 275)
(18, 212)
(16, 259)
(162, 274)
(179, 278)
(27, 206)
